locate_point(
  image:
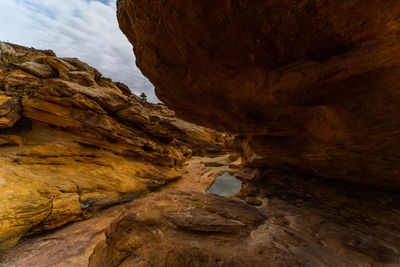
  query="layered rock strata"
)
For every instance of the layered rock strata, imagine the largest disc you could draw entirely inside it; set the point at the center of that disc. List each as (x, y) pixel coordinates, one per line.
(73, 244)
(72, 142)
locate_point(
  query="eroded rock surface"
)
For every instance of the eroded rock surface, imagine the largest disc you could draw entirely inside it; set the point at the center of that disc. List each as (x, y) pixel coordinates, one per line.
(72, 142)
(287, 221)
(313, 84)
(69, 246)
(180, 229)
(74, 243)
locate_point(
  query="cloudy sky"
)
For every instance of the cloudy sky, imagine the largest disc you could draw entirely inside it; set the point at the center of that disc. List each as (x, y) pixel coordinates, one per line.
(86, 29)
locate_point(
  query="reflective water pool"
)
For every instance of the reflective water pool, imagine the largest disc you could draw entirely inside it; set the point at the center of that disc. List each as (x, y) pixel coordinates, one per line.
(225, 185)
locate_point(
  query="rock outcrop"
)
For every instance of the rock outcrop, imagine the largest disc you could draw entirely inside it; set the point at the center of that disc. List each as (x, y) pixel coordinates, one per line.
(312, 84)
(180, 229)
(311, 224)
(73, 142)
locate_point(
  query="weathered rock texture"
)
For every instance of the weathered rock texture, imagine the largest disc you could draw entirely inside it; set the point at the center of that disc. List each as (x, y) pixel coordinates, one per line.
(69, 246)
(313, 84)
(72, 142)
(73, 244)
(180, 229)
(296, 222)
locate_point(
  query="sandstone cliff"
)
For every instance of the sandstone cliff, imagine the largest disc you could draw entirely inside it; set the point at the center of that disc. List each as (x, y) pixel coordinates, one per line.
(312, 84)
(72, 142)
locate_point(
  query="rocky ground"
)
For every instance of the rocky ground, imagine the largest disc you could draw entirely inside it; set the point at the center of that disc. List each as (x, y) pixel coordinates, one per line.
(279, 221)
(276, 220)
(72, 244)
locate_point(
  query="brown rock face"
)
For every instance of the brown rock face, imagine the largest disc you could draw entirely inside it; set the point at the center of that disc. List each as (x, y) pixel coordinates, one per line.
(69, 246)
(313, 84)
(180, 229)
(72, 142)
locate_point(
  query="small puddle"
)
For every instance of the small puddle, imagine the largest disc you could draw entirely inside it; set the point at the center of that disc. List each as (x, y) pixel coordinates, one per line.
(225, 185)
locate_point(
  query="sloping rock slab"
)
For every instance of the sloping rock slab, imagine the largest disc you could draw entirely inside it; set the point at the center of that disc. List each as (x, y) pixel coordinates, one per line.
(180, 229)
(69, 246)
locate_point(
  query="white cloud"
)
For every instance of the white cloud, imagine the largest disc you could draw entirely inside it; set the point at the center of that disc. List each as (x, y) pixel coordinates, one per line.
(86, 29)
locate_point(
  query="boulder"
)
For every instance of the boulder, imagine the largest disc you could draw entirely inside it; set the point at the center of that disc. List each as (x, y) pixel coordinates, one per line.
(180, 229)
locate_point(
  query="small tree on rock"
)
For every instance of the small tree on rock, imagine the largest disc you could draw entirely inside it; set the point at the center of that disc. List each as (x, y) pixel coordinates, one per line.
(143, 97)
